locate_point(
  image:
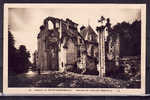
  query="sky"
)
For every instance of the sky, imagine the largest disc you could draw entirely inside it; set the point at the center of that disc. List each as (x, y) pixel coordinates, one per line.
(24, 22)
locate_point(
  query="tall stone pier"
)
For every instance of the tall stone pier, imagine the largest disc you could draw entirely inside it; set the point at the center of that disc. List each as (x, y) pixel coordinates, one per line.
(101, 67)
(102, 32)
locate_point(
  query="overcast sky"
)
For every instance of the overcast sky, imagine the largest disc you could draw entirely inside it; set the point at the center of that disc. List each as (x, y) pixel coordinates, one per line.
(25, 22)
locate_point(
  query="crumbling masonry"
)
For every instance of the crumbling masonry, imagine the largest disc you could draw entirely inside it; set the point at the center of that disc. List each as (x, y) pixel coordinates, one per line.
(61, 47)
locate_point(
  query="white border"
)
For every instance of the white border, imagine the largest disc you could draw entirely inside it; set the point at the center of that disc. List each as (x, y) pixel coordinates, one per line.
(72, 91)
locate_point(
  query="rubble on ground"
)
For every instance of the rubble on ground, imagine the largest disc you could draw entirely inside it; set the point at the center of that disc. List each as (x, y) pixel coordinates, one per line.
(54, 79)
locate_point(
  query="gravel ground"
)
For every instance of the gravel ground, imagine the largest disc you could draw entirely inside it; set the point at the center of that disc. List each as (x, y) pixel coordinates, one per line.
(57, 79)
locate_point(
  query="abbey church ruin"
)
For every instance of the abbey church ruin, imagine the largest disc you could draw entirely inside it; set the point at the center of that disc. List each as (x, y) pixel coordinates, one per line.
(61, 47)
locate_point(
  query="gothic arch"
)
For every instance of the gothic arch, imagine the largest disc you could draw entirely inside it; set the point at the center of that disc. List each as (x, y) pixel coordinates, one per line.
(52, 20)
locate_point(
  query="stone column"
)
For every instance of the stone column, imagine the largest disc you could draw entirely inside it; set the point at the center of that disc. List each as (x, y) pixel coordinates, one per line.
(101, 68)
(117, 50)
(62, 51)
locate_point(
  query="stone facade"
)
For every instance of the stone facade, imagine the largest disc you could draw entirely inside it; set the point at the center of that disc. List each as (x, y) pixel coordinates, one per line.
(61, 47)
(88, 45)
(57, 45)
(113, 53)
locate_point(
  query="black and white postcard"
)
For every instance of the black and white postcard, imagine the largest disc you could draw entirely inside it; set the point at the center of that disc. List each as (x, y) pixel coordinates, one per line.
(74, 49)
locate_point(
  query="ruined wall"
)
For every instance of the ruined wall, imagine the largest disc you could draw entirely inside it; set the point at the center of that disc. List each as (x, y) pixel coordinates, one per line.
(68, 45)
(117, 50)
(71, 52)
(111, 49)
(62, 57)
(112, 53)
(47, 44)
(63, 53)
(42, 54)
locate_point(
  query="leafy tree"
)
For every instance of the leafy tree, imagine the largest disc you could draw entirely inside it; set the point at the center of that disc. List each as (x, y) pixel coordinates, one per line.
(130, 38)
(11, 41)
(136, 37)
(22, 59)
(18, 59)
(11, 52)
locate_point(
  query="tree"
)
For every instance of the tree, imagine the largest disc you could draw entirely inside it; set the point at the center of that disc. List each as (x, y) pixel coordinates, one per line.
(11, 52)
(11, 41)
(18, 59)
(136, 36)
(22, 59)
(130, 38)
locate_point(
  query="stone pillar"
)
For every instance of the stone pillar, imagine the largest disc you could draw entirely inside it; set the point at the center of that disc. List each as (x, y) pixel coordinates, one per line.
(117, 50)
(101, 68)
(62, 59)
(101, 30)
(62, 51)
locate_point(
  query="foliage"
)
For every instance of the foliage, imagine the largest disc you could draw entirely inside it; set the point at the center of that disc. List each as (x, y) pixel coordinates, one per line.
(130, 38)
(18, 59)
(11, 51)
(130, 46)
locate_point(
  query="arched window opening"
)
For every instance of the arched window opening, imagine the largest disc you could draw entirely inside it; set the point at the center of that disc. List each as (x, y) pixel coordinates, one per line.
(57, 25)
(50, 25)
